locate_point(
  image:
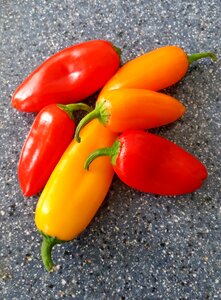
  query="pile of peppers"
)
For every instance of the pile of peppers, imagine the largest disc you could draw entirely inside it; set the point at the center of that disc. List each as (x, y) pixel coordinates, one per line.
(73, 166)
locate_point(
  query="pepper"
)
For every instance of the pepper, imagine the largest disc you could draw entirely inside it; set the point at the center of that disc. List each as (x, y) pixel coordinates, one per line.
(72, 195)
(50, 134)
(68, 76)
(124, 109)
(152, 164)
(154, 70)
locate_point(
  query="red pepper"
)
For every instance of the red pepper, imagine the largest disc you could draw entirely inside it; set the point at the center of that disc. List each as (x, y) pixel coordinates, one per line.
(68, 76)
(49, 136)
(152, 164)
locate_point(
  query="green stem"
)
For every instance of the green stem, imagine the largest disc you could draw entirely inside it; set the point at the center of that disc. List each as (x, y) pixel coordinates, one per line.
(70, 108)
(195, 56)
(100, 112)
(46, 249)
(95, 154)
(89, 117)
(117, 50)
(112, 151)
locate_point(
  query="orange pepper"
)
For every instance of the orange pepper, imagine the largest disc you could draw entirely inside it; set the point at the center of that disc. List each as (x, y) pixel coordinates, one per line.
(154, 70)
(124, 109)
(72, 195)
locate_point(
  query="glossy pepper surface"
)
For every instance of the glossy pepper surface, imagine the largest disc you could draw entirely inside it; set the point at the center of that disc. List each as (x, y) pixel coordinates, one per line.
(152, 164)
(155, 70)
(72, 195)
(124, 109)
(50, 134)
(68, 76)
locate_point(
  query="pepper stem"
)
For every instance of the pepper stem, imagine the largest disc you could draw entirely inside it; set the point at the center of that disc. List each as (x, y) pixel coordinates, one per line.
(112, 151)
(46, 249)
(100, 112)
(195, 56)
(89, 117)
(70, 108)
(117, 50)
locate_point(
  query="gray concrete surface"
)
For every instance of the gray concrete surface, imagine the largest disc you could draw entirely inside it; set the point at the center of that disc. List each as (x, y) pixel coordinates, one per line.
(139, 246)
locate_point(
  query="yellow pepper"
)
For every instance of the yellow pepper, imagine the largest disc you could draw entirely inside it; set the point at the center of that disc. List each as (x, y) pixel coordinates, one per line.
(72, 195)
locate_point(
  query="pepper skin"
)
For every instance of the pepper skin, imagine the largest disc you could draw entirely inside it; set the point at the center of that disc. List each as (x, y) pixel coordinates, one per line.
(72, 195)
(152, 164)
(50, 134)
(154, 70)
(124, 109)
(68, 76)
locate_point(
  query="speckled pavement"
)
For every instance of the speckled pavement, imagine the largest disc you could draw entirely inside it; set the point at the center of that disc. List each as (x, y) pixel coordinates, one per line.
(139, 246)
